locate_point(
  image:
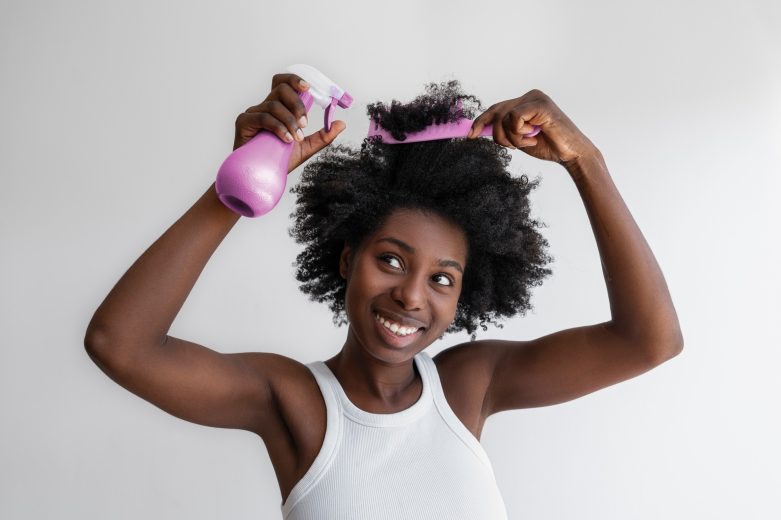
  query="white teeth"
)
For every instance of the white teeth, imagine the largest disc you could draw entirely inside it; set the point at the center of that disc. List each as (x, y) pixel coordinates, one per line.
(395, 327)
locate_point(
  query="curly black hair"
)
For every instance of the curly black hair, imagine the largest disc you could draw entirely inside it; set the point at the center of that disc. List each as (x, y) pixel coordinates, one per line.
(344, 195)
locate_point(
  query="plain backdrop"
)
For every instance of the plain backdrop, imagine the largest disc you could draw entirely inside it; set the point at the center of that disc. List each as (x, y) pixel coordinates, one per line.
(117, 115)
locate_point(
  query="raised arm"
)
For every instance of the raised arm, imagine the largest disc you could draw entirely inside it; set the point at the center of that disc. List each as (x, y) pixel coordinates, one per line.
(128, 334)
(643, 330)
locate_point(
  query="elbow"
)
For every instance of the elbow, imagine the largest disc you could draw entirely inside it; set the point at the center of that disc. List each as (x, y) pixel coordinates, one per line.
(663, 350)
(116, 353)
(96, 345)
(95, 339)
(659, 344)
(104, 350)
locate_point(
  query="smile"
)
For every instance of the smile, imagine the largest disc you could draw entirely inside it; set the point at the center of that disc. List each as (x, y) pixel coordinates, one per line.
(394, 327)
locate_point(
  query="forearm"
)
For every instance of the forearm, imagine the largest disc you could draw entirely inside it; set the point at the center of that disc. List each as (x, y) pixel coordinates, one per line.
(143, 304)
(640, 304)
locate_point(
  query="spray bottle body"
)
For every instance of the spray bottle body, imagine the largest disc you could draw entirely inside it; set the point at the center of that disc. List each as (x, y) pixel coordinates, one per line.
(252, 179)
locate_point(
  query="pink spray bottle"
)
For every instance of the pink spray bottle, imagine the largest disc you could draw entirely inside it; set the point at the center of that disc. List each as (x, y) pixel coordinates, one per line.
(252, 179)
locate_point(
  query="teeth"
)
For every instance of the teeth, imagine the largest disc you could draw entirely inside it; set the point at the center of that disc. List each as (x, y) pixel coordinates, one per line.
(395, 327)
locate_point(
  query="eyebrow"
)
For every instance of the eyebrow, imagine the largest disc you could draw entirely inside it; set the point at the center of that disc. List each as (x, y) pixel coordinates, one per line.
(408, 248)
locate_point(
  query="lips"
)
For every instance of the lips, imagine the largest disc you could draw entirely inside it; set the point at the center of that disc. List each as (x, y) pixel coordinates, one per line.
(400, 319)
(399, 330)
(386, 321)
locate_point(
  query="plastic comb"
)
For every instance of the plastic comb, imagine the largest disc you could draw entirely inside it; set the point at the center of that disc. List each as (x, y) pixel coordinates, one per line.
(435, 132)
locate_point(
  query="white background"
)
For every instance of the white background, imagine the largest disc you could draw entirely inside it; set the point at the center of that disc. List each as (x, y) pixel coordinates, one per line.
(117, 115)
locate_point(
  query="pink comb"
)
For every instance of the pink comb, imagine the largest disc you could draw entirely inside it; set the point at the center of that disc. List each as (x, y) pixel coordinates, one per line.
(434, 132)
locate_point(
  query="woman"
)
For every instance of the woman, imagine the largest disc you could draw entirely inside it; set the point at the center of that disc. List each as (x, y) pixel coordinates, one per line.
(405, 243)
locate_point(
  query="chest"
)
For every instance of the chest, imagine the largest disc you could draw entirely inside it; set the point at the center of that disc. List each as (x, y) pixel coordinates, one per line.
(302, 427)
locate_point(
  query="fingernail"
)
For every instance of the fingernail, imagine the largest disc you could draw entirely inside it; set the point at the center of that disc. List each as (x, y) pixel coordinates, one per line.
(288, 137)
(302, 122)
(303, 84)
(300, 134)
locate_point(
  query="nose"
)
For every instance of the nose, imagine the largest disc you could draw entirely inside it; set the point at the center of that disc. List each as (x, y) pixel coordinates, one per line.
(410, 293)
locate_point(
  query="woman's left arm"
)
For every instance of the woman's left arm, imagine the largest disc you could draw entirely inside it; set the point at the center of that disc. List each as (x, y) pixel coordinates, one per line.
(641, 308)
(643, 330)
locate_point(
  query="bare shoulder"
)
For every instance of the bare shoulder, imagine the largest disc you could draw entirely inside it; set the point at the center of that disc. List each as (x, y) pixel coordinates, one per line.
(295, 436)
(465, 371)
(296, 397)
(473, 358)
(292, 385)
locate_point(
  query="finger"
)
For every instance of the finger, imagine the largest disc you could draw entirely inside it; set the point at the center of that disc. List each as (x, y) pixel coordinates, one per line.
(518, 125)
(511, 124)
(293, 102)
(290, 110)
(480, 122)
(527, 141)
(501, 135)
(323, 138)
(282, 113)
(296, 82)
(535, 111)
(272, 118)
(316, 142)
(277, 93)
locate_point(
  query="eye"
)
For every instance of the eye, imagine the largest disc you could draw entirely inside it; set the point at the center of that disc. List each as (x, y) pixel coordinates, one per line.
(390, 259)
(443, 279)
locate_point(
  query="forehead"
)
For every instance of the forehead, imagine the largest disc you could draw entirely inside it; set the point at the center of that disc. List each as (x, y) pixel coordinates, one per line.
(428, 233)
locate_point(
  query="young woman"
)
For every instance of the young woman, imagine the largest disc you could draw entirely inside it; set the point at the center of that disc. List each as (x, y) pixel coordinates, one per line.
(404, 242)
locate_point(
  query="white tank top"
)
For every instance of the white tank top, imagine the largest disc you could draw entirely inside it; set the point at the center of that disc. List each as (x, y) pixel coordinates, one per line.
(421, 462)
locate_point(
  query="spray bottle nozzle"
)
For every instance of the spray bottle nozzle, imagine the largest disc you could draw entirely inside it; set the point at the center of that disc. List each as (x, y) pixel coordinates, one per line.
(346, 100)
(324, 92)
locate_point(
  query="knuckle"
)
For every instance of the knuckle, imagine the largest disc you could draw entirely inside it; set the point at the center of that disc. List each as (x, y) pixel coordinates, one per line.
(291, 122)
(272, 123)
(240, 118)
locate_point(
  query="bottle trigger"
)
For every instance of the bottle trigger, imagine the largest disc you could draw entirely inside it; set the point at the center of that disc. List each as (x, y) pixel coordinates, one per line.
(328, 115)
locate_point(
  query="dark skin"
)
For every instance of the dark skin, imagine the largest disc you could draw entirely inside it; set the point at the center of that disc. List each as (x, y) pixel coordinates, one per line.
(408, 271)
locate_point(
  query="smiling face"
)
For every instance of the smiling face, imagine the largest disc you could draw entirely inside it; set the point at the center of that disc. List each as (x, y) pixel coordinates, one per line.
(403, 284)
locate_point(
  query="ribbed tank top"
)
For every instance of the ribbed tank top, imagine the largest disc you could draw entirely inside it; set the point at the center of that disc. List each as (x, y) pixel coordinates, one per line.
(421, 462)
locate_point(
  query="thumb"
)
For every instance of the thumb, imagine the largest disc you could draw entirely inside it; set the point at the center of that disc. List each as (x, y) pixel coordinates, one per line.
(322, 138)
(314, 143)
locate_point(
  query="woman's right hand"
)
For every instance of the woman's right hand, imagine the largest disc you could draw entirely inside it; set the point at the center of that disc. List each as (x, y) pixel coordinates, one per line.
(283, 113)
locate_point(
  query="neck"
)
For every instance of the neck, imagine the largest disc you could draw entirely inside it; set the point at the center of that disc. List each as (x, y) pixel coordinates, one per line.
(370, 379)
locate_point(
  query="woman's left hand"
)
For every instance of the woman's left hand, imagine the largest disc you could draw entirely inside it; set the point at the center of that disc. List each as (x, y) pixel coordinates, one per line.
(559, 139)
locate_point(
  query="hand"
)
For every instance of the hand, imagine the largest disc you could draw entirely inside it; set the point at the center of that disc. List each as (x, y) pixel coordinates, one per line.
(283, 113)
(559, 139)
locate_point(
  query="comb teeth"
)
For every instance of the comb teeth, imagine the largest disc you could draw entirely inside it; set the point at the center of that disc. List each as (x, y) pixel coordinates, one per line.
(435, 132)
(430, 133)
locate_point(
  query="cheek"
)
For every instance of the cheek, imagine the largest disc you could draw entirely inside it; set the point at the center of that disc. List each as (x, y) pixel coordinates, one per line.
(361, 287)
(445, 306)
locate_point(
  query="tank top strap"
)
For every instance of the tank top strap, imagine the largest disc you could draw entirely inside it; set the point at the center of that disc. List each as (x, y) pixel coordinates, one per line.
(376, 420)
(333, 434)
(431, 374)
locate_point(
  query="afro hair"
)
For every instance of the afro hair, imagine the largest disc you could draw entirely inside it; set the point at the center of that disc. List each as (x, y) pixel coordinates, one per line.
(344, 195)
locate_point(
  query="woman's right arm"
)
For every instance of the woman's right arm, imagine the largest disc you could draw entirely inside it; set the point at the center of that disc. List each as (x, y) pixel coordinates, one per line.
(128, 334)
